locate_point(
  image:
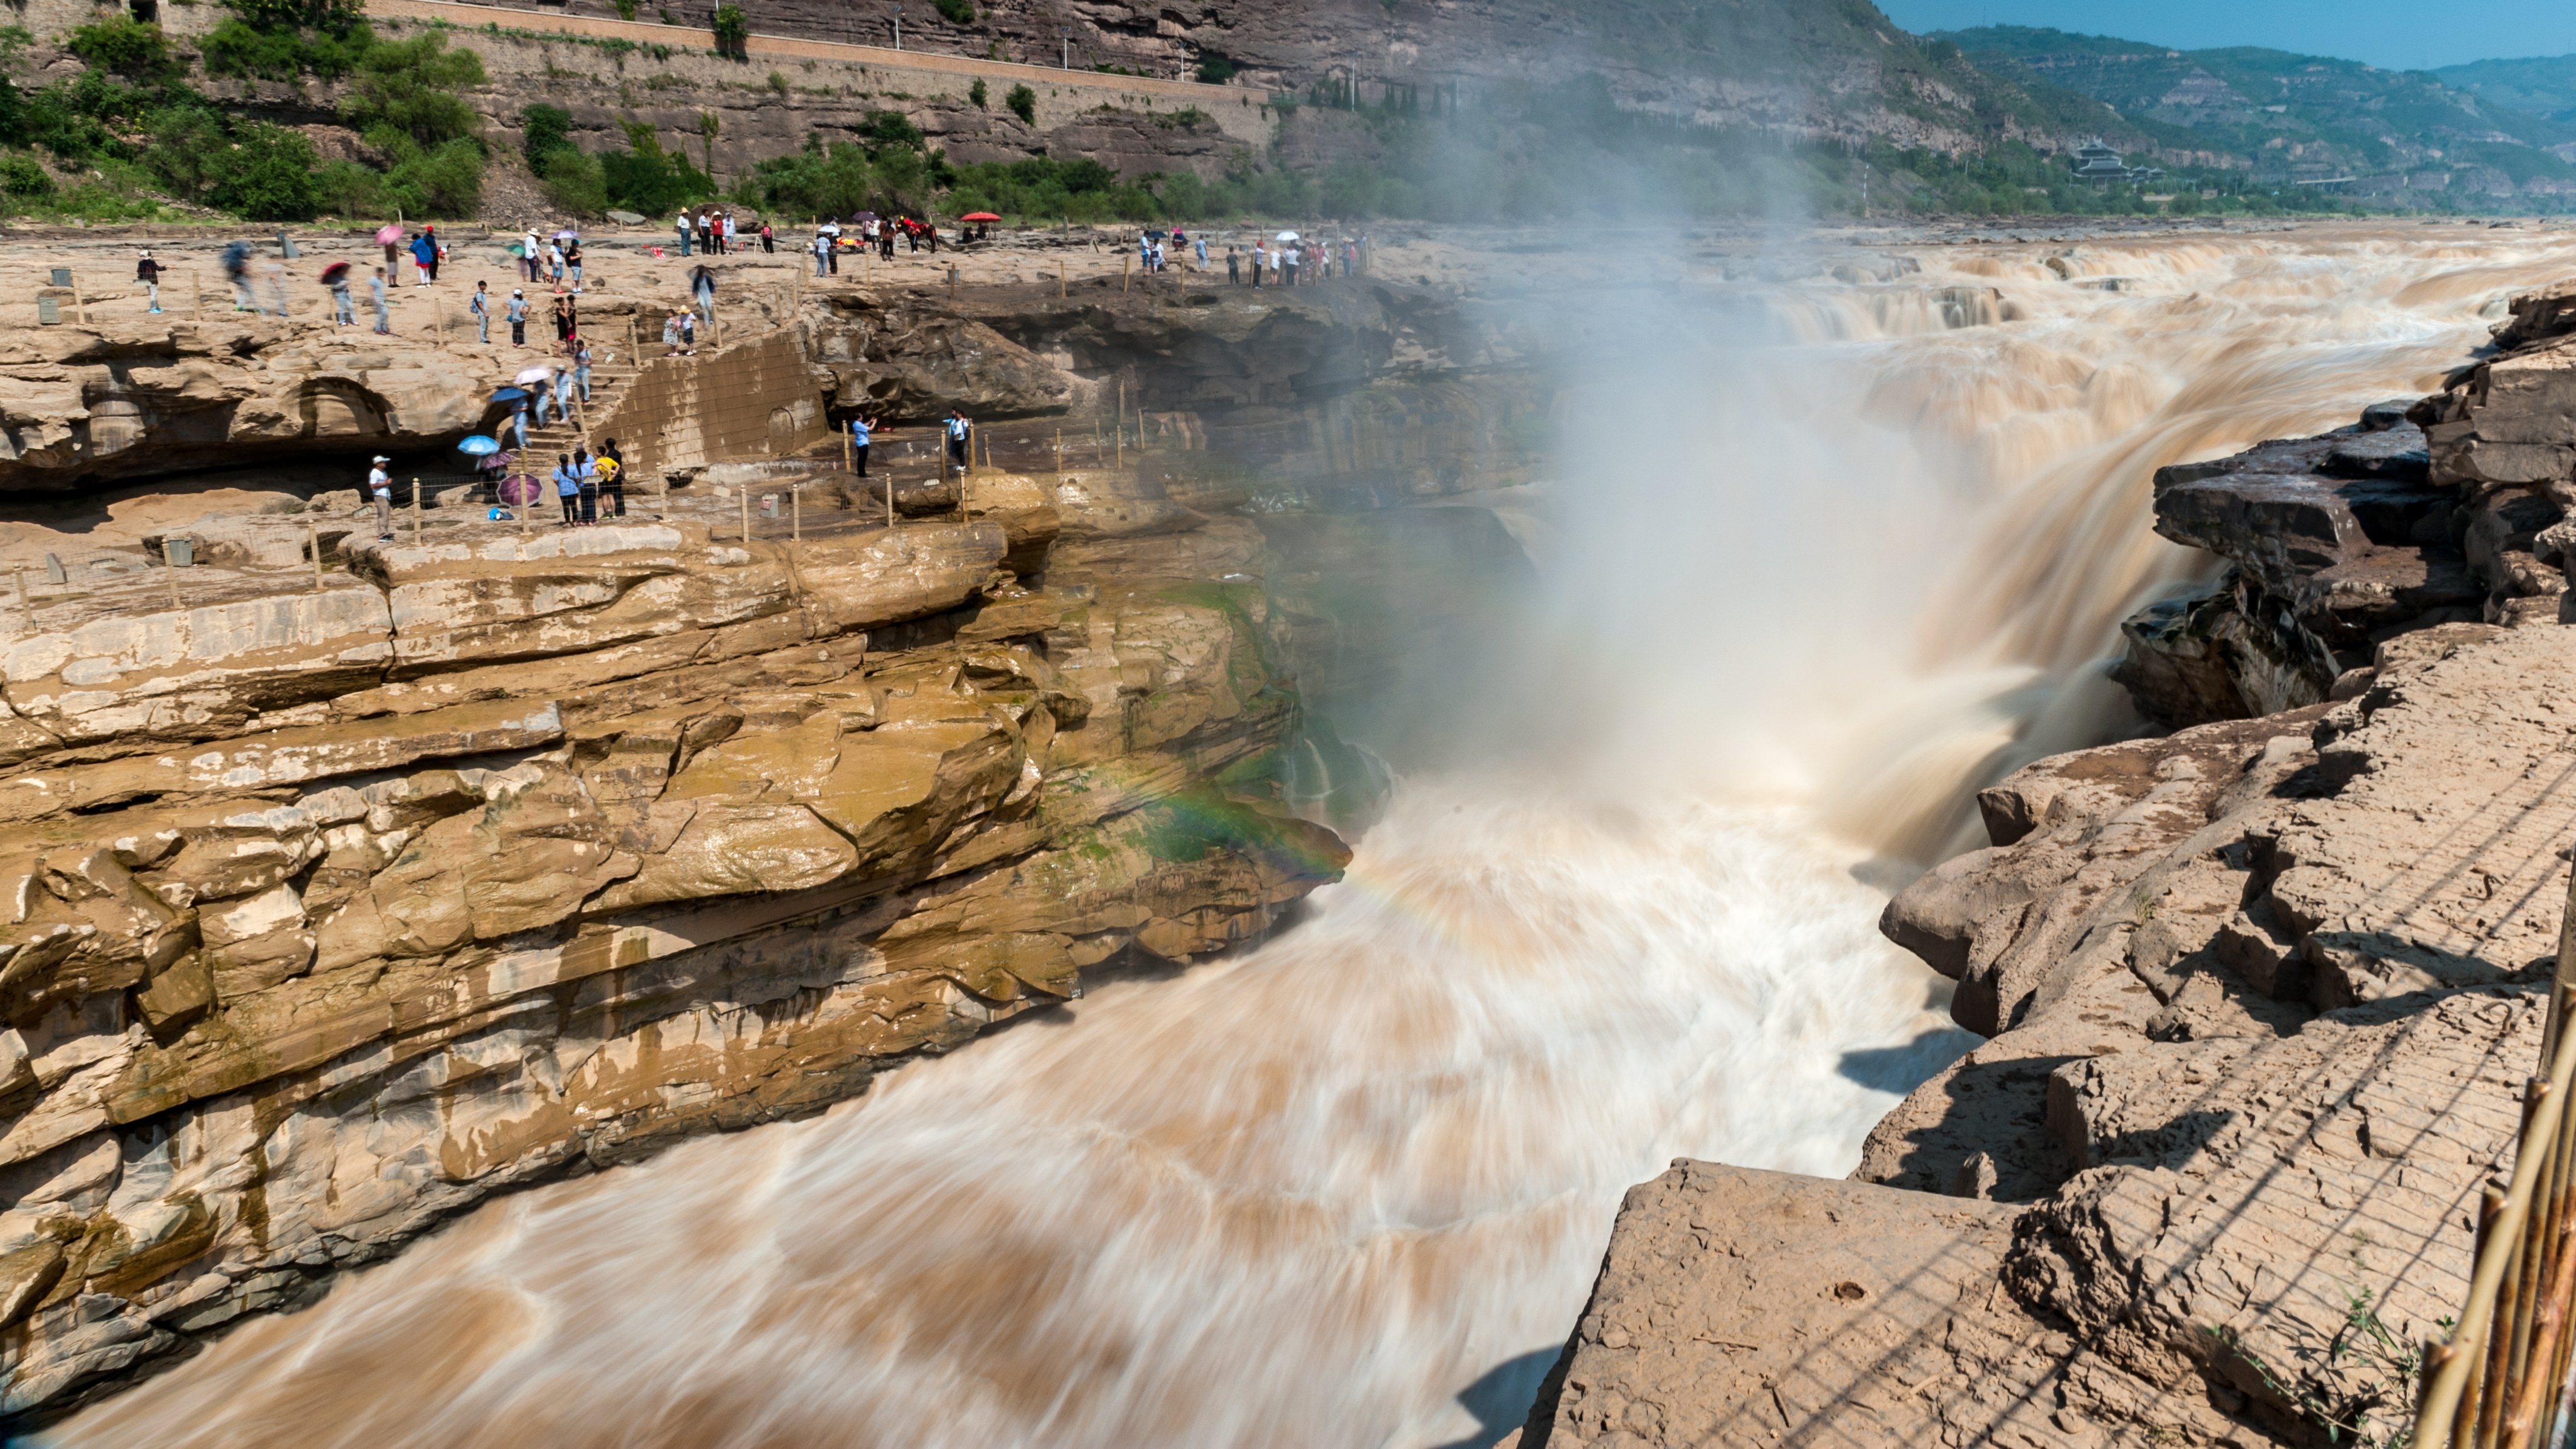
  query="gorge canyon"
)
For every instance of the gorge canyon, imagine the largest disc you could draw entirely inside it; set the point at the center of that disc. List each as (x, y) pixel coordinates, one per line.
(2040, 754)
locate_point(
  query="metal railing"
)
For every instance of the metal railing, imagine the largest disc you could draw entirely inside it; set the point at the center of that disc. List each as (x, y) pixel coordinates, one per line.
(2500, 1382)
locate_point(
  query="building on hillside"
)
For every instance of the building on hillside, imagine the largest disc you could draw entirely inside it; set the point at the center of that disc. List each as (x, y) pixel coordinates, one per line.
(2099, 164)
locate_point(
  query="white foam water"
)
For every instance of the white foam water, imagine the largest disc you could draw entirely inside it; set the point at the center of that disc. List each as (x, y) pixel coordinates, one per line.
(1350, 1188)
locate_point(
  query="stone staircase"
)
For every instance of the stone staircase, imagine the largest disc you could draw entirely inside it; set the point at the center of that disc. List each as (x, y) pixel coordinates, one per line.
(608, 381)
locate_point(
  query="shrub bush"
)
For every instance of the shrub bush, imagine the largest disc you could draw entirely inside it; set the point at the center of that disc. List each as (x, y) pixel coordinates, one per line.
(1023, 103)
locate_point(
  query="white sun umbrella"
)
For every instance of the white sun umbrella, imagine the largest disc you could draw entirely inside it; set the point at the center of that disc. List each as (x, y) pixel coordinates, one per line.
(1287, 236)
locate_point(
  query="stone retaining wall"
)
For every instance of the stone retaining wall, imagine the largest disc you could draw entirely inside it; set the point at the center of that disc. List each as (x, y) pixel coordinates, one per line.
(752, 400)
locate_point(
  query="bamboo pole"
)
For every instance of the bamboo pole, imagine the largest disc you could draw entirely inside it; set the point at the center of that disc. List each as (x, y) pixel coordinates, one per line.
(742, 497)
(525, 508)
(1125, 264)
(2536, 1391)
(795, 514)
(2443, 1397)
(438, 311)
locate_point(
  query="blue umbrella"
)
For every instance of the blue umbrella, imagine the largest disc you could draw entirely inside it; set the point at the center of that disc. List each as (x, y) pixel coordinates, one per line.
(478, 446)
(508, 394)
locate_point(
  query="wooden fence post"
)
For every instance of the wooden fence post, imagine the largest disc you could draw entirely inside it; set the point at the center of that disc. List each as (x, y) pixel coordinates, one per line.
(416, 507)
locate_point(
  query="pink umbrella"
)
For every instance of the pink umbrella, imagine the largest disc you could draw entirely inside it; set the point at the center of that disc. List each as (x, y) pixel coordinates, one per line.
(388, 234)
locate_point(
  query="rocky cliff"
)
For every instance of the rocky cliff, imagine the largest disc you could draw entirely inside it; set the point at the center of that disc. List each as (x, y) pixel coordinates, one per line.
(2259, 996)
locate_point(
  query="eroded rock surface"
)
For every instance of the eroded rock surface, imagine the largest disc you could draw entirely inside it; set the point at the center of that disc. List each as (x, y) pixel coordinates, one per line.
(2260, 997)
(328, 913)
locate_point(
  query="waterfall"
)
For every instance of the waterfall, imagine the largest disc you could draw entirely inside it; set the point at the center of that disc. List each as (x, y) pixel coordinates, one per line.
(1811, 581)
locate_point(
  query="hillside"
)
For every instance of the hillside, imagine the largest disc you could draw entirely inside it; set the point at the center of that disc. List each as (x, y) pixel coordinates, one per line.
(2389, 138)
(2540, 86)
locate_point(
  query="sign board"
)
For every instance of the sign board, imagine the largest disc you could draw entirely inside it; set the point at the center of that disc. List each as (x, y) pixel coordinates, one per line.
(62, 276)
(181, 552)
(49, 312)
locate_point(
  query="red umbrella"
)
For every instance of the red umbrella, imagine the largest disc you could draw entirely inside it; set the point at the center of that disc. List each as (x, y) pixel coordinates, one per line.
(979, 216)
(334, 272)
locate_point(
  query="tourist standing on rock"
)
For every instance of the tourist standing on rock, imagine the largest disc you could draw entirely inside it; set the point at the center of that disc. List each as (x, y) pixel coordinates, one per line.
(860, 430)
(822, 252)
(702, 285)
(554, 263)
(587, 472)
(563, 315)
(688, 333)
(424, 259)
(380, 487)
(236, 265)
(612, 476)
(581, 367)
(1233, 268)
(148, 272)
(384, 314)
(961, 434)
(562, 382)
(1200, 243)
(572, 261)
(1288, 264)
(682, 227)
(481, 307)
(518, 313)
(393, 256)
(1260, 259)
(344, 312)
(568, 489)
(732, 234)
(767, 243)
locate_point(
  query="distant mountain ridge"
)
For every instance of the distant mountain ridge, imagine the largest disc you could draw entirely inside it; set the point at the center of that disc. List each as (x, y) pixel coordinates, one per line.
(2495, 132)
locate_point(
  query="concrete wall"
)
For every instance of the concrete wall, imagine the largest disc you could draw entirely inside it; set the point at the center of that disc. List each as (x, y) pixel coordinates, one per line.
(753, 399)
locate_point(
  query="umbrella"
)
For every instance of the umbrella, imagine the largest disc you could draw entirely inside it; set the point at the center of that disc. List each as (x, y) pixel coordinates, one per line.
(518, 490)
(509, 394)
(979, 216)
(567, 234)
(478, 446)
(863, 216)
(334, 272)
(1287, 236)
(388, 234)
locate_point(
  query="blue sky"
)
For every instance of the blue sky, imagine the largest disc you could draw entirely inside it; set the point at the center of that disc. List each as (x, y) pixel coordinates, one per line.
(2399, 34)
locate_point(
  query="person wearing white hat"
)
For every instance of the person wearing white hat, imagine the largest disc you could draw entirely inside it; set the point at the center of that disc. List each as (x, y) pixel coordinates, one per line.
(380, 487)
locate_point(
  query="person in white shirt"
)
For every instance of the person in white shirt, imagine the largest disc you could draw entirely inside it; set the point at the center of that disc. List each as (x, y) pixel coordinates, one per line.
(960, 435)
(380, 487)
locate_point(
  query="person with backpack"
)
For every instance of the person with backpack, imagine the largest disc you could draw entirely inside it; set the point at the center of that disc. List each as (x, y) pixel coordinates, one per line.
(961, 434)
(424, 259)
(236, 266)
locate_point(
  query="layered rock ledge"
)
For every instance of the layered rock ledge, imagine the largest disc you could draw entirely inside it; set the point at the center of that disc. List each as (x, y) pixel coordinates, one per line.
(330, 911)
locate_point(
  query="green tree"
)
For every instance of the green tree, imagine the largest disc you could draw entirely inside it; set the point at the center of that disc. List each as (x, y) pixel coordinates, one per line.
(957, 12)
(733, 32)
(543, 130)
(1023, 103)
(408, 88)
(130, 49)
(978, 94)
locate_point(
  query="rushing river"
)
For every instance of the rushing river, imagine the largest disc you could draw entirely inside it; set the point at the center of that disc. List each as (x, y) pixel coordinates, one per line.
(1812, 578)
